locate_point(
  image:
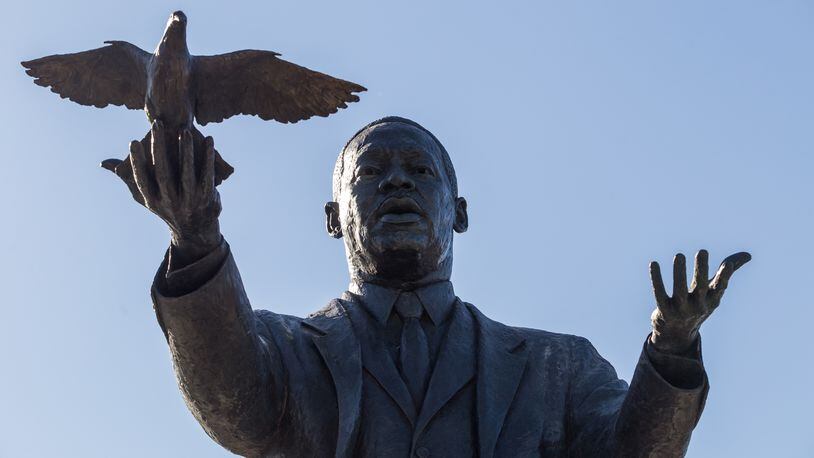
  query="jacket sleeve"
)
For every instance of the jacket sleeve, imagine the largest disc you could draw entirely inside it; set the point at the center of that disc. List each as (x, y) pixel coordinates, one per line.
(652, 417)
(226, 363)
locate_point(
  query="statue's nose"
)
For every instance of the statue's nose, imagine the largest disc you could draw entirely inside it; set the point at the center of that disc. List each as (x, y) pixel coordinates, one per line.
(397, 179)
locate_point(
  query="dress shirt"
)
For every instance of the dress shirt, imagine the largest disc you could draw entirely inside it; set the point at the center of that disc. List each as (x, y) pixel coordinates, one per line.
(379, 301)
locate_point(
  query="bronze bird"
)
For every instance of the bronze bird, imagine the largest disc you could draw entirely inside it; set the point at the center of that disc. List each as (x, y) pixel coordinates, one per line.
(175, 87)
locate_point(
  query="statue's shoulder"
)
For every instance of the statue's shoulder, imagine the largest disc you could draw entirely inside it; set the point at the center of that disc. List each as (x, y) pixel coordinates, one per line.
(332, 316)
(322, 320)
(334, 309)
(289, 326)
(277, 323)
(538, 340)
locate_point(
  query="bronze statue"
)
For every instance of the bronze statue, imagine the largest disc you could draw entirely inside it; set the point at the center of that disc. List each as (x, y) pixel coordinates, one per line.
(173, 87)
(398, 366)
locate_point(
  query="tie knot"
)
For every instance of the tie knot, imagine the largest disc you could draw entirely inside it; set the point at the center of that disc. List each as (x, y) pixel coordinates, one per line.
(408, 305)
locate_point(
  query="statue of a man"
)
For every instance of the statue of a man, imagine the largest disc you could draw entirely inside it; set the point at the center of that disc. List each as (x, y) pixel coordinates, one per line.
(399, 366)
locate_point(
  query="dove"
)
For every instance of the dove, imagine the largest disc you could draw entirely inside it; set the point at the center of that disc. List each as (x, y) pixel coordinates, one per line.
(176, 88)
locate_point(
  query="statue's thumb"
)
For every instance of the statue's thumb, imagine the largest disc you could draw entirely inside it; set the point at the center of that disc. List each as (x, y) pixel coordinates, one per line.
(738, 260)
(110, 164)
(124, 170)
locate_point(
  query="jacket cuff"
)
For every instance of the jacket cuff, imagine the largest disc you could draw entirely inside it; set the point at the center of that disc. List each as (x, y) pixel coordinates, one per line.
(684, 371)
(179, 282)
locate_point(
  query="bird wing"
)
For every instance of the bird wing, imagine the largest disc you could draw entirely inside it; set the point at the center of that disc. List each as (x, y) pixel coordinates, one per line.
(114, 74)
(258, 83)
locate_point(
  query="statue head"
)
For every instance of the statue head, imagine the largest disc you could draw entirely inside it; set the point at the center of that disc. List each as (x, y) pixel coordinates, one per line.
(396, 204)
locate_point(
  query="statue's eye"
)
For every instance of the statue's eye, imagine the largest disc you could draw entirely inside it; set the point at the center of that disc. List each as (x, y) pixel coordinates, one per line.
(423, 170)
(368, 171)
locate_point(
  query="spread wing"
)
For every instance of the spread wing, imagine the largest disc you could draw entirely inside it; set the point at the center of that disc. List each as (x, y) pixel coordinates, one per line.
(258, 83)
(114, 74)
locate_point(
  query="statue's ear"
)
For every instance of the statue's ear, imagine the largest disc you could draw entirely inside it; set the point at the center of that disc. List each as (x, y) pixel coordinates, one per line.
(332, 220)
(461, 217)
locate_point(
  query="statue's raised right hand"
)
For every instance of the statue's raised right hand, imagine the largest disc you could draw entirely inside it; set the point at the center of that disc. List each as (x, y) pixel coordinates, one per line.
(179, 192)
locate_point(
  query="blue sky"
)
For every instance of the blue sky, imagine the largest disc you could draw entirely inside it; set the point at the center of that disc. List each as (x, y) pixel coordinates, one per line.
(589, 138)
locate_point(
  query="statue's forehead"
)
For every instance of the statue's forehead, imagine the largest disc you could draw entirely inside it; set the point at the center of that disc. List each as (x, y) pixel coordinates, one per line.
(394, 136)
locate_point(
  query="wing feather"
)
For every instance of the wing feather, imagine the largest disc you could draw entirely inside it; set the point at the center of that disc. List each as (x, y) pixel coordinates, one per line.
(114, 74)
(258, 83)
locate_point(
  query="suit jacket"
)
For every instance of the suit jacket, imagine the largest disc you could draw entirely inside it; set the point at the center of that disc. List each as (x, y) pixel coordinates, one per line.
(265, 384)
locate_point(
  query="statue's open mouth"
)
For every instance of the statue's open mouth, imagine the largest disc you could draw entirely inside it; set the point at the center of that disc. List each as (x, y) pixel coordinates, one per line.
(400, 210)
(400, 218)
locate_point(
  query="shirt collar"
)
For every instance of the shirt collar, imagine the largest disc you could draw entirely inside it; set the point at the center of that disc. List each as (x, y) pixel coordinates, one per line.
(437, 299)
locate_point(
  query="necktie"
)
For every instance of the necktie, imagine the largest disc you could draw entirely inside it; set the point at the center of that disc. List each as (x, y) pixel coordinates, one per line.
(414, 351)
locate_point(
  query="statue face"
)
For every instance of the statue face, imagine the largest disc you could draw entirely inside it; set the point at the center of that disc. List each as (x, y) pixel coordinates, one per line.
(395, 207)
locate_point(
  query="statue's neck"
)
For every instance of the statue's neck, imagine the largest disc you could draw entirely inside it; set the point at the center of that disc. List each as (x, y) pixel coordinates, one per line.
(402, 277)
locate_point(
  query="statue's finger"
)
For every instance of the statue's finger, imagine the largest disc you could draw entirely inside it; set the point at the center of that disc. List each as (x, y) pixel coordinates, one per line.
(141, 172)
(738, 259)
(700, 277)
(110, 164)
(186, 160)
(157, 140)
(161, 163)
(728, 267)
(662, 299)
(680, 278)
(124, 170)
(207, 178)
(720, 282)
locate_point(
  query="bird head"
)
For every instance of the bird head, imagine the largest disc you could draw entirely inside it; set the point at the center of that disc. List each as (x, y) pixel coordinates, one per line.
(178, 16)
(175, 34)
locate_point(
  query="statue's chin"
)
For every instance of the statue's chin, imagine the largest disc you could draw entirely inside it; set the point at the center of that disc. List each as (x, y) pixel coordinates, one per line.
(397, 258)
(403, 265)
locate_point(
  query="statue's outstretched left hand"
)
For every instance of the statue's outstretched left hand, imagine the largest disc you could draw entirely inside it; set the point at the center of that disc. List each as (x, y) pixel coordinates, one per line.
(677, 319)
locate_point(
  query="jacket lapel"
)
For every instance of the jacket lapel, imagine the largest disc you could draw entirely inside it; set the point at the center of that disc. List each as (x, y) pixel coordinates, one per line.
(502, 356)
(454, 367)
(340, 350)
(378, 362)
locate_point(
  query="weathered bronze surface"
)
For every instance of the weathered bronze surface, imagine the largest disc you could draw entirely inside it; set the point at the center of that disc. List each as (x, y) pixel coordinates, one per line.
(398, 365)
(359, 377)
(174, 87)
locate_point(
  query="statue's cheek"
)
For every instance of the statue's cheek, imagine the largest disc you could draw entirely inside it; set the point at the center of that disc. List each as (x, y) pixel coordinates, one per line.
(361, 206)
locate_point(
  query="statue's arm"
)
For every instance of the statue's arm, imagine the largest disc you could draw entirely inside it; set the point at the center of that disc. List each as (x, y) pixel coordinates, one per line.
(226, 362)
(227, 365)
(656, 415)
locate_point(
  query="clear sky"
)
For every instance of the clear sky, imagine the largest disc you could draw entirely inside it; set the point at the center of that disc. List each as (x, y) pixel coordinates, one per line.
(589, 138)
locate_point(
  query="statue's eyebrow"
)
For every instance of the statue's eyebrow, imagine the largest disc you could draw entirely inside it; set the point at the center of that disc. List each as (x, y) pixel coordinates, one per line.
(417, 153)
(369, 152)
(425, 157)
(413, 151)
